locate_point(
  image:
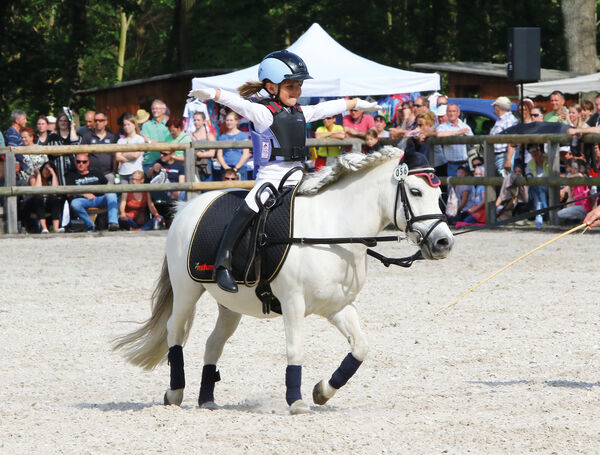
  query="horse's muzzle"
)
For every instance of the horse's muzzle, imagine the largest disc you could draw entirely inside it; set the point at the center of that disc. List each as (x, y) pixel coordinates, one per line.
(439, 243)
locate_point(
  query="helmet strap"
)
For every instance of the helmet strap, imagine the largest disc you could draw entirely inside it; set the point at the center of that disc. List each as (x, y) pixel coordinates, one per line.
(273, 97)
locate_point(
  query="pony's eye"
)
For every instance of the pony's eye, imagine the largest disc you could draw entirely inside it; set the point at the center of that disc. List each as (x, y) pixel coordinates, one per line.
(415, 192)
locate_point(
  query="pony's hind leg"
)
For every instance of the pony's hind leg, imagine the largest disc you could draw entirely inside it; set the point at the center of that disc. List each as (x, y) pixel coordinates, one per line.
(178, 325)
(347, 322)
(226, 324)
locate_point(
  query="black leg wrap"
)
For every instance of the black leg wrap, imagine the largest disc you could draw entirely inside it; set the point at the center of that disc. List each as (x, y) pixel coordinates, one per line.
(175, 359)
(210, 376)
(293, 381)
(346, 370)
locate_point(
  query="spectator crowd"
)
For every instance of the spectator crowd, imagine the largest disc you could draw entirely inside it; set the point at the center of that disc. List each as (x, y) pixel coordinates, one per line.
(403, 118)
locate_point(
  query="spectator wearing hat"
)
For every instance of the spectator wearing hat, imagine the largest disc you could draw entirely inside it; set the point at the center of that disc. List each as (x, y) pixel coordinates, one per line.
(440, 163)
(455, 154)
(89, 124)
(51, 124)
(141, 117)
(503, 152)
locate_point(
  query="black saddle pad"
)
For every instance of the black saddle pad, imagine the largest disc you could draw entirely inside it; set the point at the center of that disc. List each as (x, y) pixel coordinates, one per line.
(209, 229)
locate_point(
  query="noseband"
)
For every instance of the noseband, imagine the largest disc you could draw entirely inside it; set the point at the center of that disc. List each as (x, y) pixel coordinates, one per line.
(400, 174)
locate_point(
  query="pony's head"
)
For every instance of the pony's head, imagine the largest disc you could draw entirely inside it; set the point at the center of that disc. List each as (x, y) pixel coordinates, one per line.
(416, 207)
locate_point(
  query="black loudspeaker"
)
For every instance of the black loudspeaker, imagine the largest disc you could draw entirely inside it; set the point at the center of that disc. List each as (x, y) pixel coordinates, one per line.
(523, 54)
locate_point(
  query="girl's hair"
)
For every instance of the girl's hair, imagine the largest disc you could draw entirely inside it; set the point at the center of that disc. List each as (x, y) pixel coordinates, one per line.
(201, 114)
(372, 132)
(250, 88)
(176, 122)
(42, 117)
(131, 119)
(233, 114)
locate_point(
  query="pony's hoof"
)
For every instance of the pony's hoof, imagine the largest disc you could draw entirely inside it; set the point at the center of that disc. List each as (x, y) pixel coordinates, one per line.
(173, 397)
(322, 392)
(299, 407)
(209, 405)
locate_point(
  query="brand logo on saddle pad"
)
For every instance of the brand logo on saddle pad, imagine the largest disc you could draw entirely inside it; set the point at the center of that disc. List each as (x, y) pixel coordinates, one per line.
(401, 172)
(203, 267)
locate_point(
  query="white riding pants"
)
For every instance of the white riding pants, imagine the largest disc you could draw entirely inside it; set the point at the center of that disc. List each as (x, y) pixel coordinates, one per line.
(272, 173)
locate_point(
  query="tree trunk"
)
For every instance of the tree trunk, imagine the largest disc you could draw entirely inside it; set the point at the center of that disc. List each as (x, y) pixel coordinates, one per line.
(125, 21)
(580, 35)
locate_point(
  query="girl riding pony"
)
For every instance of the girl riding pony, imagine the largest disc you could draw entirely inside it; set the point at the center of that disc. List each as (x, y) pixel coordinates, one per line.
(278, 131)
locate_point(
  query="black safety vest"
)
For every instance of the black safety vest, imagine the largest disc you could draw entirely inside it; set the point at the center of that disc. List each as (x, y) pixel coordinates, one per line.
(289, 129)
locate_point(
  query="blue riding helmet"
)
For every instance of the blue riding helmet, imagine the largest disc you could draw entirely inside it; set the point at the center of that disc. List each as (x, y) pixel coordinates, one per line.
(281, 65)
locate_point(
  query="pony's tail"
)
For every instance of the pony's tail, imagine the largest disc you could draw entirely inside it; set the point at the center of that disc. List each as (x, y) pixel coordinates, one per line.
(147, 346)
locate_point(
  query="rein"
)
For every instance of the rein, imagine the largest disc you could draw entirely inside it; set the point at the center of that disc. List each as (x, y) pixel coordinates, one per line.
(401, 196)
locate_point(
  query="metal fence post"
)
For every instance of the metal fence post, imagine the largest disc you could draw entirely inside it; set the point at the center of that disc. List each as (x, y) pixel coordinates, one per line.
(490, 191)
(10, 204)
(190, 167)
(553, 191)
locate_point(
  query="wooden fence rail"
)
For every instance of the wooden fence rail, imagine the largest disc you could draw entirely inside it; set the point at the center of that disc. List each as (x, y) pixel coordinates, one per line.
(552, 141)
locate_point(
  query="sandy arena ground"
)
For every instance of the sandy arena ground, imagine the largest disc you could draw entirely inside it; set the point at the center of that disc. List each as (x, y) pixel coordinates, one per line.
(513, 368)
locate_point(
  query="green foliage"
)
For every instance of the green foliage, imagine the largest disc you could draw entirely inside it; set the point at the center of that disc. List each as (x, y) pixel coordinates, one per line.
(52, 48)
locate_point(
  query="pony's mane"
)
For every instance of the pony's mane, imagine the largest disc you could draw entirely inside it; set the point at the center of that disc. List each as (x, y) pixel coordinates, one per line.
(345, 165)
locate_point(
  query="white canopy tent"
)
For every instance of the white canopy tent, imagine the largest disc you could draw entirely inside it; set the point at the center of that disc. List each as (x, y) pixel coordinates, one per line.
(336, 72)
(581, 84)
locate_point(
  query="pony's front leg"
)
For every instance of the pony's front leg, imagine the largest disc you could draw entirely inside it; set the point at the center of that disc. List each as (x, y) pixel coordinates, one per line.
(293, 321)
(347, 322)
(227, 323)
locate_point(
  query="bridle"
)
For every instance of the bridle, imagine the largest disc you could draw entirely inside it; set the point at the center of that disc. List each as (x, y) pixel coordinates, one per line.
(400, 174)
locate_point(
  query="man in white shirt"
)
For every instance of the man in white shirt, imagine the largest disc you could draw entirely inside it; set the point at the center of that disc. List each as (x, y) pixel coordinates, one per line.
(456, 154)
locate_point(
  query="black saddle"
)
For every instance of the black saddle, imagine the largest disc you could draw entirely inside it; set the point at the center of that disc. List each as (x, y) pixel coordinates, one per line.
(275, 222)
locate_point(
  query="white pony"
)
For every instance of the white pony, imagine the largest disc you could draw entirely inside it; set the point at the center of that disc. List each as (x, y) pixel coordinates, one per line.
(359, 196)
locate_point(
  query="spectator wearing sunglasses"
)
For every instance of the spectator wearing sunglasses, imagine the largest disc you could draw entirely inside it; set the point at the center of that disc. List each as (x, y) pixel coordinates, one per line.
(81, 202)
(537, 115)
(101, 162)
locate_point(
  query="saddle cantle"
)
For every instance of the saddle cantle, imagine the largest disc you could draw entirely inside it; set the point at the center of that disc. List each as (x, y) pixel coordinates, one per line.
(203, 248)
